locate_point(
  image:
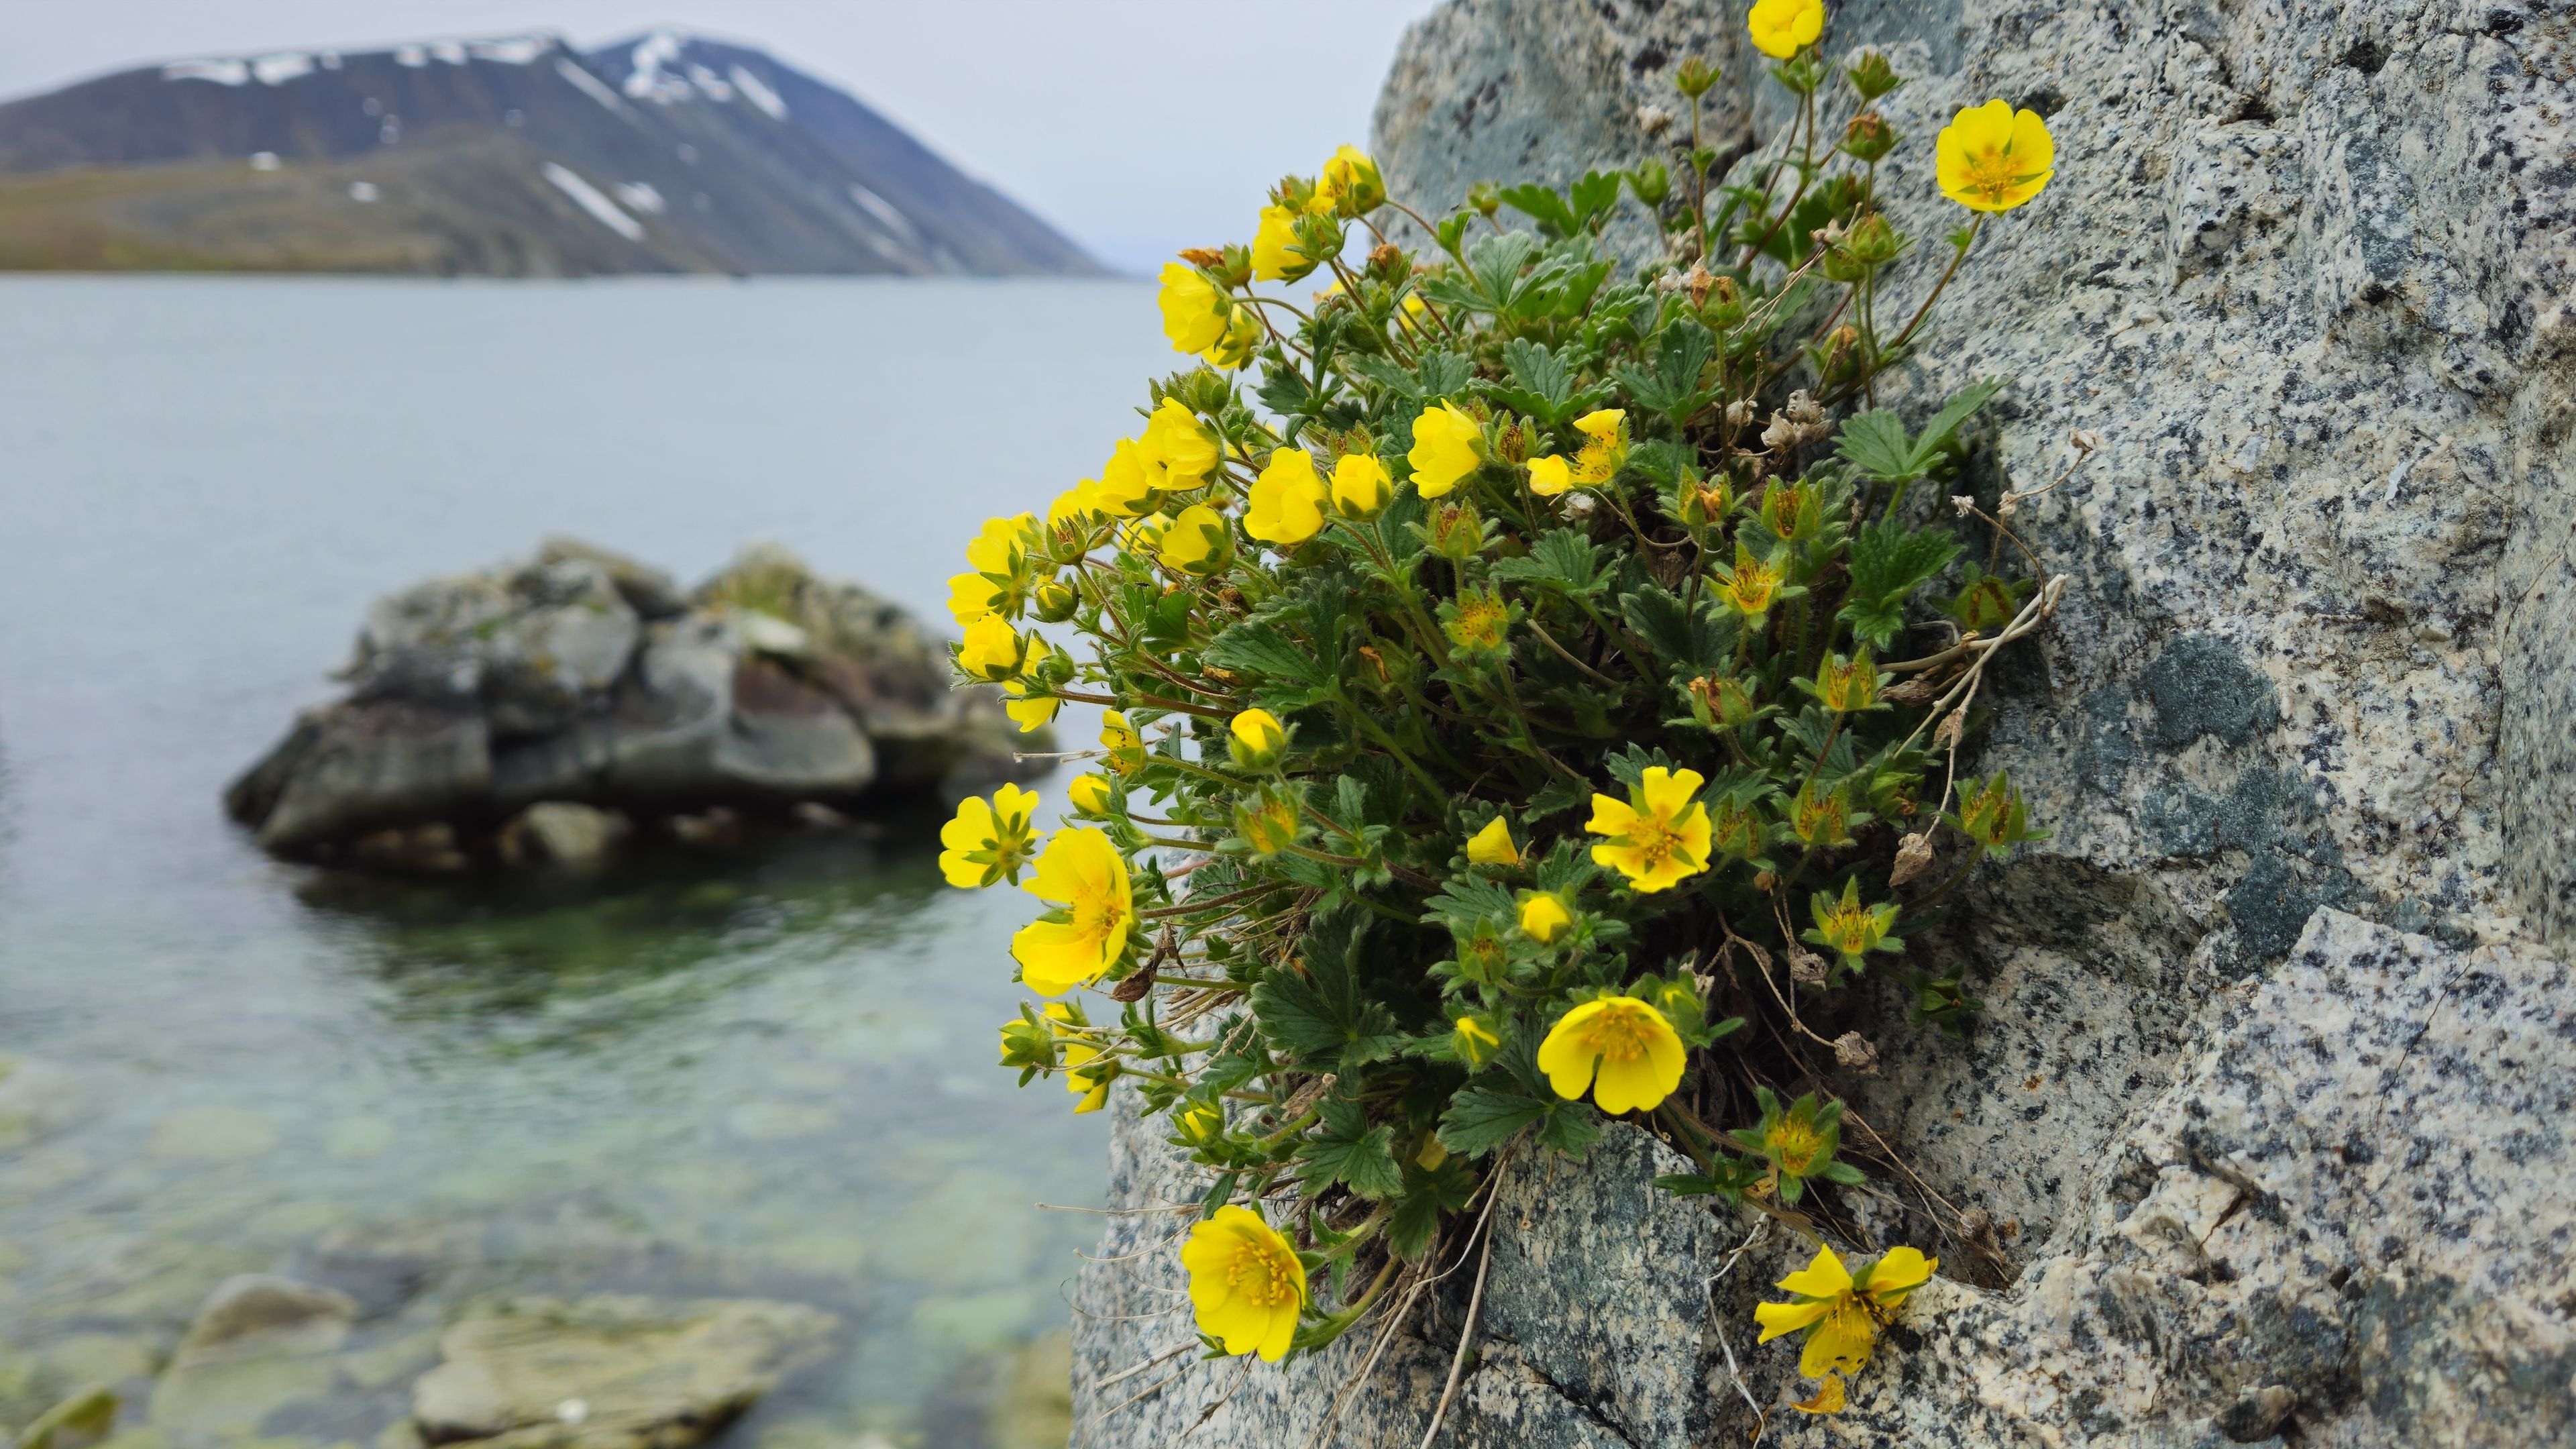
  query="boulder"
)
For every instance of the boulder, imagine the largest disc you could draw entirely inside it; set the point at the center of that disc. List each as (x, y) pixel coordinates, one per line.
(2257, 1136)
(258, 1312)
(610, 1371)
(2347, 1219)
(582, 679)
(76, 1423)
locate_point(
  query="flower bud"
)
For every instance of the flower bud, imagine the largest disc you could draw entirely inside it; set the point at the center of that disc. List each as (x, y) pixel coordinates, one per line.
(1873, 76)
(1257, 739)
(1091, 794)
(1485, 198)
(1868, 138)
(1543, 917)
(1351, 183)
(1056, 601)
(1695, 77)
(1650, 182)
(1267, 822)
(1457, 532)
(1361, 487)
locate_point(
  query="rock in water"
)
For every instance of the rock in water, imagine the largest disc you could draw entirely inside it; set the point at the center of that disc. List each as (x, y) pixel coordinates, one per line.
(491, 709)
(259, 1343)
(2305, 730)
(611, 1371)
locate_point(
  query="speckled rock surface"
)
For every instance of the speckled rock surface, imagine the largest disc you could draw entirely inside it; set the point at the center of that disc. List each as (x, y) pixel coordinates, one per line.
(2307, 269)
(2347, 1219)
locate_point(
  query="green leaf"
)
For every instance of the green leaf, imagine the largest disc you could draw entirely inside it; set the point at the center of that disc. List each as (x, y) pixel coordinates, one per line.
(1415, 1223)
(1690, 637)
(1563, 560)
(1347, 1150)
(1542, 376)
(1480, 1120)
(1888, 562)
(1321, 1016)
(1570, 1128)
(1962, 404)
(1876, 441)
(1593, 196)
(1255, 647)
(1544, 207)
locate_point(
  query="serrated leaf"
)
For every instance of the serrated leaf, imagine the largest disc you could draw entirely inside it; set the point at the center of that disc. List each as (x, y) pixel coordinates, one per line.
(1563, 560)
(1570, 1128)
(1876, 441)
(1593, 196)
(1689, 636)
(1347, 1150)
(1543, 206)
(1415, 1223)
(1962, 404)
(1888, 562)
(1480, 1119)
(1257, 647)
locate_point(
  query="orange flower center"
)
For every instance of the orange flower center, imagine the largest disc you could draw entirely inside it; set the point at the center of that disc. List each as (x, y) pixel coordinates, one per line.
(1797, 1144)
(1654, 840)
(1096, 911)
(1619, 1035)
(1260, 1276)
(1993, 174)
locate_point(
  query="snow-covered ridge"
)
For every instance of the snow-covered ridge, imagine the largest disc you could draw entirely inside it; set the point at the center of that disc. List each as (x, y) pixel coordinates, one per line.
(280, 67)
(660, 72)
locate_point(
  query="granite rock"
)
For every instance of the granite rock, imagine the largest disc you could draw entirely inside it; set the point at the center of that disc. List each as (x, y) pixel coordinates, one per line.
(2258, 1136)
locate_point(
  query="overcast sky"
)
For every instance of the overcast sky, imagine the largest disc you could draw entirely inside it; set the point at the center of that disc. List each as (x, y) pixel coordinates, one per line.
(1137, 126)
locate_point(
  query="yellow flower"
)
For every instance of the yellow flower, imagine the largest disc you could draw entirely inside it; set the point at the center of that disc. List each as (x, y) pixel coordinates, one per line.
(987, 842)
(1659, 836)
(1628, 1043)
(1258, 739)
(1782, 27)
(1177, 451)
(1090, 794)
(1243, 333)
(1493, 845)
(1029, 704)
(1082, 872)
(1447, 445)
(973, 597)
(1750, 586)
(1126, 486)
(1993, 158)
(1199, 1123)
(1125, 747)
(1198, 542)
(993, 650)
(1360, 486)
(1246, 1284)
(1830, 1398)
(1196, 312)
(1287, 504)
(1820, 818)
(1275, 257)
(1074, 508)
(1350, 183)
(1841, 1313)
(1543, 917)
(1550, 475)
(1474, 1041)
(1004, 546)
(1607, 448)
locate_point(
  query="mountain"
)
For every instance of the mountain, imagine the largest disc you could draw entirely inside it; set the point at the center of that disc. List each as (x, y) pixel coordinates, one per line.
(512, 157)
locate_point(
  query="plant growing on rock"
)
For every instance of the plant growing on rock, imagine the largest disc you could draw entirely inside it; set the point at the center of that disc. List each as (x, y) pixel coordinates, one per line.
(1529, 702)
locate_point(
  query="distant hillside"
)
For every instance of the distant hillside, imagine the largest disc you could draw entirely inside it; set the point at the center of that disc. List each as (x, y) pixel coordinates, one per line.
(511, 157)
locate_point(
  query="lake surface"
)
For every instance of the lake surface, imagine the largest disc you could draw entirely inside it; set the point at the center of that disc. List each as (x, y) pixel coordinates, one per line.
(766, 1077)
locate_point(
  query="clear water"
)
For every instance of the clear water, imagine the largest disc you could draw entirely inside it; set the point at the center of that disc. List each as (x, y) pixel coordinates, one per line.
(769, 1075)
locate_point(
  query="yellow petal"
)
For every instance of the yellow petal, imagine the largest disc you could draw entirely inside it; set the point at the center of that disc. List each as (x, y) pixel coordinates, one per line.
(1823, 1277)
(1550, 475)
(1610, 817)
(1779, 1318)
(1899, 1273)
(1662, 793)
(1841, 1340)
(1567, 1054)
(1493, 845)
(2032, 150)
(1830, 1398)
(1282, 1331)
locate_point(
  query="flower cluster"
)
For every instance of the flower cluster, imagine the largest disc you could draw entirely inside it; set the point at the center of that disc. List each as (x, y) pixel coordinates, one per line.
(1513, 668)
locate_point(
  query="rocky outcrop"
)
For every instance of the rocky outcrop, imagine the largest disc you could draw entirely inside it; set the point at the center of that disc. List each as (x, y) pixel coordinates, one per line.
(2258, 1137)
(2345, 1224)
(488, 709)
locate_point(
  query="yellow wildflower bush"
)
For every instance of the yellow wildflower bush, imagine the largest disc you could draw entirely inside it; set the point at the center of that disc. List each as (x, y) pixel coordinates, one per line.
(1513, 666)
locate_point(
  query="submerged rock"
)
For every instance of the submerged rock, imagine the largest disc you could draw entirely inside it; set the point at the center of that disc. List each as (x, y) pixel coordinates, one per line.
(486, 711)
(258, 1344)
(610, 1371)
